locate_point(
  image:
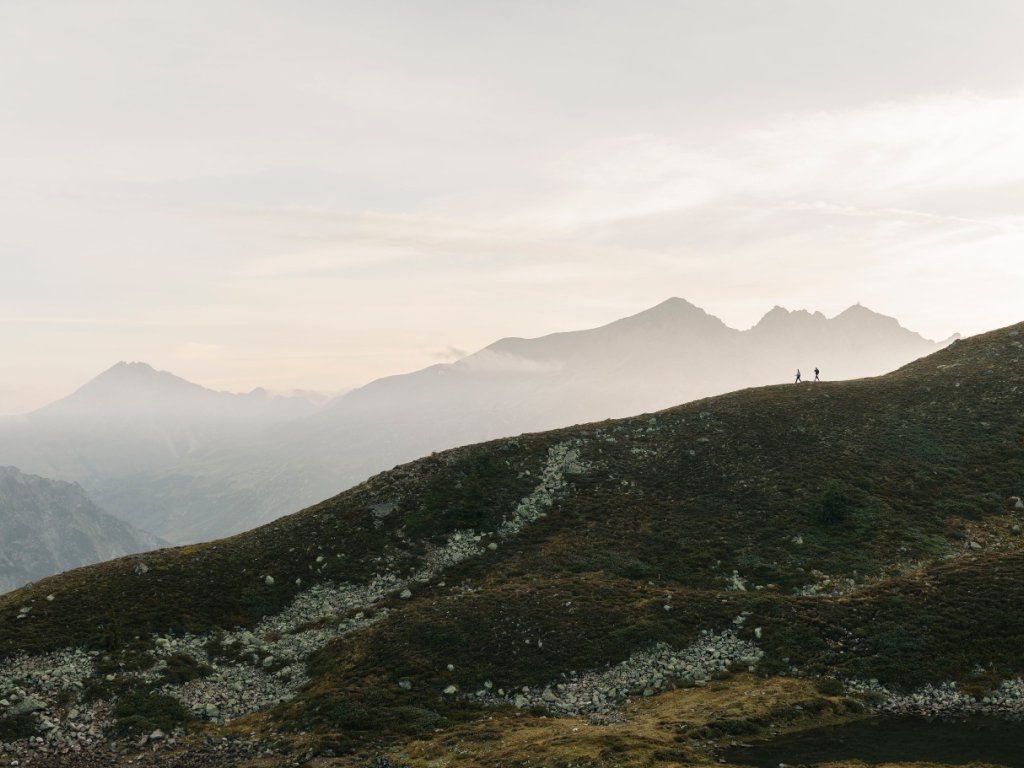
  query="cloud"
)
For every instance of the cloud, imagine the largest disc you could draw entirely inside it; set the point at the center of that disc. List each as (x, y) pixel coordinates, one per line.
(492, 361)
(450, 354)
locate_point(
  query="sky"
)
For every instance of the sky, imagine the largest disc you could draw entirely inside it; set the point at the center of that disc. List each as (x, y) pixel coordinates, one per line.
(316, 194)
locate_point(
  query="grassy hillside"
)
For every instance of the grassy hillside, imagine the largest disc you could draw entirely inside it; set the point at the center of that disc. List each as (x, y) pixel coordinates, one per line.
(857, 530)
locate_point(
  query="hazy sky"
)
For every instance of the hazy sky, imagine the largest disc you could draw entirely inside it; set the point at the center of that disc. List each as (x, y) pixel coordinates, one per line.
(318, 193)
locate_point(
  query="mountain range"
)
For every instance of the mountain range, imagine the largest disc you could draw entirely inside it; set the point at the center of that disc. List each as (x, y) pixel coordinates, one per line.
(658, 589)
(189, 464)
(49, 526)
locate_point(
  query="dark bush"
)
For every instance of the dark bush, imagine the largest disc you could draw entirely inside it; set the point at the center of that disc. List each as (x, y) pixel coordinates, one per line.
(15, 727)
(181, 668)
(829, 686)
(141, 711)
(835, 505)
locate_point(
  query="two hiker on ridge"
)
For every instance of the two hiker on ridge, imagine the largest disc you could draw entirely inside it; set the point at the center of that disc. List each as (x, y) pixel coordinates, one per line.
(816, 372)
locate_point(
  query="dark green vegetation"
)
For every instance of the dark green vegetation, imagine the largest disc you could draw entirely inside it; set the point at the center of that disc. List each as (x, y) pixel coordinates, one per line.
(142, 710)
(14, 727)
(893, 740)
(870, 492)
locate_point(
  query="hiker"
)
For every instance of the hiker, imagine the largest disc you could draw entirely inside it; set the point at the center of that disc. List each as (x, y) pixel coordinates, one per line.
(797, 376)
(816, 372)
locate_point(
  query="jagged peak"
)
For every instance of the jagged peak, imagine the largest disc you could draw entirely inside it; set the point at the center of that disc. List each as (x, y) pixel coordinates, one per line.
(779, 315)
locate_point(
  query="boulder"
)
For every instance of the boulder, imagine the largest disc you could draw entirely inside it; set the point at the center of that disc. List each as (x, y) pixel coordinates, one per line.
(26, 706)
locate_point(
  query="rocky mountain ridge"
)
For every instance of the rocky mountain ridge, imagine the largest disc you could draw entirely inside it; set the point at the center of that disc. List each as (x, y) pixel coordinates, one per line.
(49, 526)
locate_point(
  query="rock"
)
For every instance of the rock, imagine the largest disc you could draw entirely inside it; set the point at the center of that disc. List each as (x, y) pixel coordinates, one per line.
(27, 706)
(548, 695)
(758, 632)
(268, 662)
(157, 735)
(211, 710)
(492, 546)
(140, 569)
(975, 545)
(520, 701)
(1019, 504)
(1015, 530)
(451, 667)
(406, 594)
(50, 598)
(405, 685)
(451, 690)
(269, 581)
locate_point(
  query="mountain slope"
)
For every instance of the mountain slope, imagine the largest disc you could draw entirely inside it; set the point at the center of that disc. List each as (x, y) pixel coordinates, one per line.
(671, 353)
(49, 526)
(858, 530)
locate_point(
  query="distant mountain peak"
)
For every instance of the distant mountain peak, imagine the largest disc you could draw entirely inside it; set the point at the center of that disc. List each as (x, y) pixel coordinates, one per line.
(672, 311)
(859, 309)
(128, 371)
(134, 376)
(673, 306)
(780, 316)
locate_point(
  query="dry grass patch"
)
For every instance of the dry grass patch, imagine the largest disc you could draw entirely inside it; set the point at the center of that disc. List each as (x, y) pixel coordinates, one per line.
(661, 730)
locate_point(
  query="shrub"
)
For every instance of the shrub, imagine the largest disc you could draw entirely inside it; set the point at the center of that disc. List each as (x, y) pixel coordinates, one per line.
(15, 727)
(141, 710)
(834, 506)
(829, 686)
(181, 668)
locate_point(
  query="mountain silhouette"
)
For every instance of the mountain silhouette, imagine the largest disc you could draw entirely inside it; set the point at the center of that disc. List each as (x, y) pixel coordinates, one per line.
(190, 464)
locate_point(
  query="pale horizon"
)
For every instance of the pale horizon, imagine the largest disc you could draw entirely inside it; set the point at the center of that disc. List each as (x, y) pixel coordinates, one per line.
(254, 194)
(451, 354)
